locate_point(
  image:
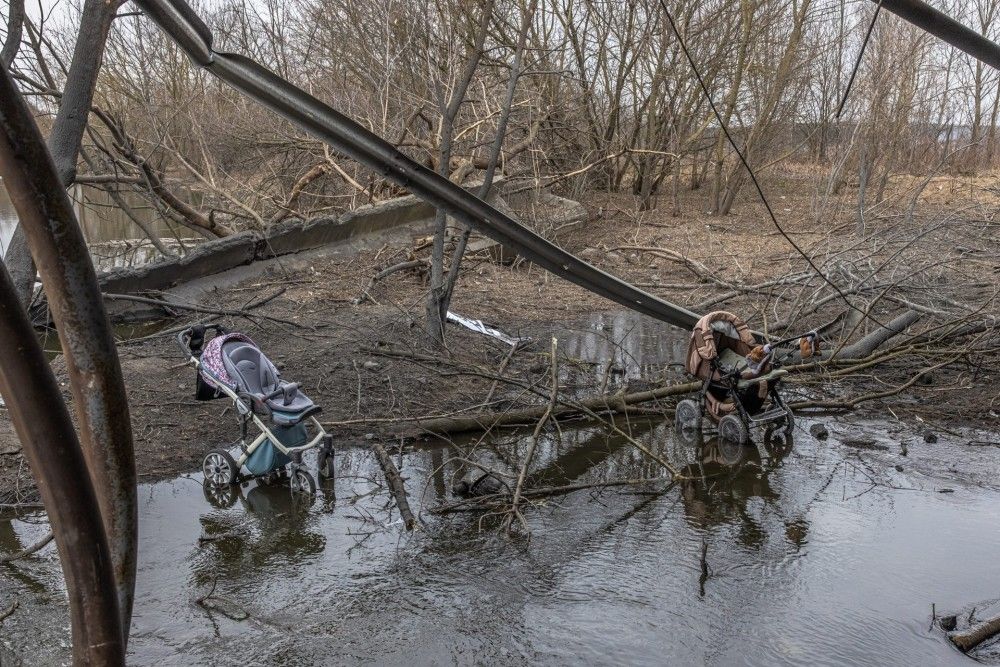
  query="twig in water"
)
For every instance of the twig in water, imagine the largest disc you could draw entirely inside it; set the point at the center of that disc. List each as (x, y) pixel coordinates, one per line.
(6, 613)
(514, 511)
(209, 602)
(27, 552)
(704, 568)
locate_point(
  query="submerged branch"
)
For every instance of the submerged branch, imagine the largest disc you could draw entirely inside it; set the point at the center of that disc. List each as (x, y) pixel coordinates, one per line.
(37, 546)
(395, 481)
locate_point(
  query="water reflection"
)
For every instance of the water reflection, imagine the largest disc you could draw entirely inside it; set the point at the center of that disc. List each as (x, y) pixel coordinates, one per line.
(725, 479)
(275, 527)
(758, 559)
(624, 345)
(114, 238)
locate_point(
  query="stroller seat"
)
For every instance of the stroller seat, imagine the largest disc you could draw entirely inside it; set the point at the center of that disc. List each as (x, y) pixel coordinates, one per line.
(739, 380)
(731, 359)
(256, 375)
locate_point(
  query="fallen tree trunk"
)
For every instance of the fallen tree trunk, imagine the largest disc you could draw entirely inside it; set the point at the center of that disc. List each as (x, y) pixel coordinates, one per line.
(877, 338)
(941, 334)
(395, 481)
(970, 638)
(486, 420)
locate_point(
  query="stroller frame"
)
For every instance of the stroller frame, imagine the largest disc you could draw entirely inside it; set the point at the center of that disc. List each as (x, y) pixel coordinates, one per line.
(723, 371)
(778, 412)
(191, 341)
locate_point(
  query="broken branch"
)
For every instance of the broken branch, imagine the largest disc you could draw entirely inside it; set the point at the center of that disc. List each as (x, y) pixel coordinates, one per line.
(395, 481)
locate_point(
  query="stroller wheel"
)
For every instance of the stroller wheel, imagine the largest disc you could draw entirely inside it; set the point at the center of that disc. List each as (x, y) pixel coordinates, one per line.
(687, 415)
(303, 482)
(733, 430)
(219, 468)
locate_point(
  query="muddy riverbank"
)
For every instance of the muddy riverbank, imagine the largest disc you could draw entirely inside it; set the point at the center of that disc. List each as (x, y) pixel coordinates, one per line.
(795, 546)
(311, 325)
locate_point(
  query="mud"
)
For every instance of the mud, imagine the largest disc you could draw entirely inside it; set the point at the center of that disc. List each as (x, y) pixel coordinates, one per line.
(814, 551)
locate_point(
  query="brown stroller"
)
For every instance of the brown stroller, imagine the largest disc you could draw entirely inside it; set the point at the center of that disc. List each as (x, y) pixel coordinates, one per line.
(740, 389)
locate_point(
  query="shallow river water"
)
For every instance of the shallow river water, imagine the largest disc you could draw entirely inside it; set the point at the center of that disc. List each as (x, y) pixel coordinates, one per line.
(811, 557)
(115, 240)
(793, 551)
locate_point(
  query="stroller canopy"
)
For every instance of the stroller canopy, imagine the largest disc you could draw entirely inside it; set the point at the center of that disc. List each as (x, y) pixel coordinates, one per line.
(212, 360)
(714, 333)
(234, 360)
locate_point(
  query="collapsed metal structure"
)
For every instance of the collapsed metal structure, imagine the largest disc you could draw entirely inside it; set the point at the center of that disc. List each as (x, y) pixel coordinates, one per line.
(178, 20)
(94, 523)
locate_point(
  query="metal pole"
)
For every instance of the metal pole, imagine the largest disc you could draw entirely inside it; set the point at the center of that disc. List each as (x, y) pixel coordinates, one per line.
(74, 298)
(53, 452)
(944, 27)
(182, 25)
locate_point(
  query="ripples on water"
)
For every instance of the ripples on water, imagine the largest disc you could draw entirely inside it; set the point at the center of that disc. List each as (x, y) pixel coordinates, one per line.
(805, 562)
(799, 571)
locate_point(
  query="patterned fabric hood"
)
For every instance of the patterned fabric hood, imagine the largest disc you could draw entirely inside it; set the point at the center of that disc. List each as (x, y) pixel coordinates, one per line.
(211, 360)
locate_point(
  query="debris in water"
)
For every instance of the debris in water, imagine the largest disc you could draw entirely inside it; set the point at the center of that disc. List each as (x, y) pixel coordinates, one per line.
(479, 327)
(479, 484)
(819, 431)
(974, 635)
(864, 443)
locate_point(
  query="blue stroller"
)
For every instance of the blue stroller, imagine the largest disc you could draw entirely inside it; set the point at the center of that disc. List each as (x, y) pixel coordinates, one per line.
(230, 365)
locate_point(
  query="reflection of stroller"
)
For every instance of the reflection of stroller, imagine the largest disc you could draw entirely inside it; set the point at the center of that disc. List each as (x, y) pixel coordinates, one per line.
(740, 387)
(270, 526)
(231, 365)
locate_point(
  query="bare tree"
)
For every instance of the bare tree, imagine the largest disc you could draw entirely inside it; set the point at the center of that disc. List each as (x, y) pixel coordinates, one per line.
(70, 123)
(15, 25)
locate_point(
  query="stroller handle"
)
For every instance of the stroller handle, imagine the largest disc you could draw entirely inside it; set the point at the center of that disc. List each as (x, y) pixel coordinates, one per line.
(812, 335)
(192, 339)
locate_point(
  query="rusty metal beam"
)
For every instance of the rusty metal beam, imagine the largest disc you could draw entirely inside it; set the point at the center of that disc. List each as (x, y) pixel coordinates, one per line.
(50, 445)
(180, 22)
(74, 297)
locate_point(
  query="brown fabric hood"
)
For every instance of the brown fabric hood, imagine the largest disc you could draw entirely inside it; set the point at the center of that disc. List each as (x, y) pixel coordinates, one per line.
(703, 348)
